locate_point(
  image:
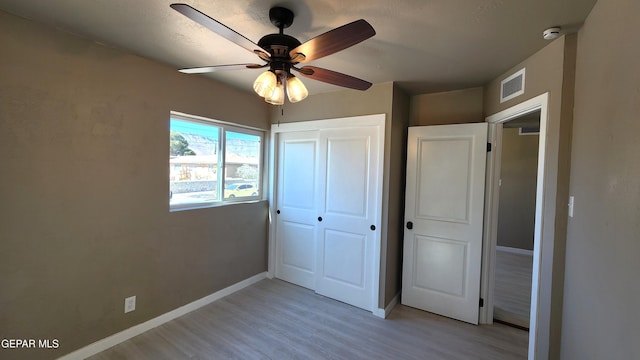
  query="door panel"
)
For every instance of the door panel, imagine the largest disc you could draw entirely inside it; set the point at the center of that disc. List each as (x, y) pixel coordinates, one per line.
(347, 182)
(297, 240)
(344, 257)
(439, 175)
(345, 238)
(440, 265)
(445, 203)
(296, 232)
(298, 171)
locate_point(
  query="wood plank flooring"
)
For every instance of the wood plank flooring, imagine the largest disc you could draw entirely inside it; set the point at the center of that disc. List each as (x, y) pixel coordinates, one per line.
(273, 319)
(512, 301)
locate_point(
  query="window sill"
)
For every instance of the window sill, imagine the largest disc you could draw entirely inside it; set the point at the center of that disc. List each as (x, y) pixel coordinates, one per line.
(196, 206)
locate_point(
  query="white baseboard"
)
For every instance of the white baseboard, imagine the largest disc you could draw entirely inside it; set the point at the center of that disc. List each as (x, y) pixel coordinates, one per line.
(136, 330)
(383, 313)
(514, 250)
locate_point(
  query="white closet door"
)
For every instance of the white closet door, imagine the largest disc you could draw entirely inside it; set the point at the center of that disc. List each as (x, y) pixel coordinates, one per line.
(297, 204)
(347, 217)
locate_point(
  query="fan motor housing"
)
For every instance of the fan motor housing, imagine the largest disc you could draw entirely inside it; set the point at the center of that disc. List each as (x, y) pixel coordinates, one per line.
(279, 45)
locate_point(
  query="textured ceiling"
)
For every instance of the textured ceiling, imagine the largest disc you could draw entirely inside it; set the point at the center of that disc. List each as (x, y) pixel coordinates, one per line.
(424, 45)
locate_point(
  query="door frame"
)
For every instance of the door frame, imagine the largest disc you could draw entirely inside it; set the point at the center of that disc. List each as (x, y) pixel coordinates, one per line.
(377, 120)
(538, 103)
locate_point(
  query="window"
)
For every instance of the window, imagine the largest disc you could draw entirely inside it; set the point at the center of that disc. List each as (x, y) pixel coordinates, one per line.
(212, 162)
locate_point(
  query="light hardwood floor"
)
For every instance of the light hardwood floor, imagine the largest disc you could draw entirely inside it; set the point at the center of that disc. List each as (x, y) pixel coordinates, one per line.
(273, 319)
(512, 301)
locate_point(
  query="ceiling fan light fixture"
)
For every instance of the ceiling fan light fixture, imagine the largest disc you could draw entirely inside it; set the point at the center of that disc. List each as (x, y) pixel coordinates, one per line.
(296, 91)
(264, 83)
(275, 96)
(282, 52)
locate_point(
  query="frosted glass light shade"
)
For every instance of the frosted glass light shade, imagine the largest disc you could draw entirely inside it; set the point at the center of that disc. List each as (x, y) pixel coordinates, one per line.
(264, 83)
(276, 95)
(296, 90)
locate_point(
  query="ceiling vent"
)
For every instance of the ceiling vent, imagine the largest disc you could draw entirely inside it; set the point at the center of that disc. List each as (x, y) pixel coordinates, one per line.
(534, 130)
(512, 86)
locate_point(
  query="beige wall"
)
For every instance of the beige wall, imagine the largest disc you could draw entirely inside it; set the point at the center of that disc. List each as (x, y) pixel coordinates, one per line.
(451, 107)
(84, 213)
(601, 319)
(549, 70)
(396, 195)
(518, 169)
(343, 103)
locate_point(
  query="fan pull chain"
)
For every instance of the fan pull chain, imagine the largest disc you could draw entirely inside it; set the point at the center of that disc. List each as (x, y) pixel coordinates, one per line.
(281, 114)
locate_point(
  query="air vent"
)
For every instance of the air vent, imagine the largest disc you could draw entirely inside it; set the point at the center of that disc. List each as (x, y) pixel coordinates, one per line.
(512, 86)
(529, 130)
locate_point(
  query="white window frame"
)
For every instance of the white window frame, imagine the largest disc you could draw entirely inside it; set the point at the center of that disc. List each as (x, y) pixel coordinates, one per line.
(223, 127)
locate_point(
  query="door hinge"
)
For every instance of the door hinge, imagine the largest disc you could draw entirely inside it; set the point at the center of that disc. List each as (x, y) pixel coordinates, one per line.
(488, 147)
(481, 302)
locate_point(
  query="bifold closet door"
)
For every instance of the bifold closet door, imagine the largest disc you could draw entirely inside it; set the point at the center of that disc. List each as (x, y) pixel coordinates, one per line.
(297, 204)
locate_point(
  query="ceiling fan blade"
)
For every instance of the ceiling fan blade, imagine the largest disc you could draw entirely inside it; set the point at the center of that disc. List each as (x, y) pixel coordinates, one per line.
(333, 77)
(208, 69)
(334, 40)
(218, 28)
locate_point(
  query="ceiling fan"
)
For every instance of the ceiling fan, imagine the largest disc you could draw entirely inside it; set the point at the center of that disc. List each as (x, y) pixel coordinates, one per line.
(282, 53)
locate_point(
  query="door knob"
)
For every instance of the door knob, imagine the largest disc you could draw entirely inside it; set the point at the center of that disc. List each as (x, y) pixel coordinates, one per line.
(372, 227)
(409, 225)
(319, 218)
(277, 211)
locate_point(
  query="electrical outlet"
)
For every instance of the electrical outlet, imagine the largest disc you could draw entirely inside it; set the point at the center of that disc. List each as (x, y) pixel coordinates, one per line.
(129, 304)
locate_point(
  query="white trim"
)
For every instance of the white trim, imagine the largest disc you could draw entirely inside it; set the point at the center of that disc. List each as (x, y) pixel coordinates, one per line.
(378, 120)
(513, 250)
(537, 103)
(209, 121)
(536, 334)
(345, 122)
(492, 191)
(271, 193)
(136, 330)
(383, 313)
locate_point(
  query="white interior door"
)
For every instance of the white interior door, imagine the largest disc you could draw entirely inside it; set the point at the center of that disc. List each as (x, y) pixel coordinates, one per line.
(444, 216)
(297, 203)
(348, 218)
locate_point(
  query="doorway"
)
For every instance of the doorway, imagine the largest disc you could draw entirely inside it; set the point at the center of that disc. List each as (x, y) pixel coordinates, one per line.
(516, 220)
(539, 315)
